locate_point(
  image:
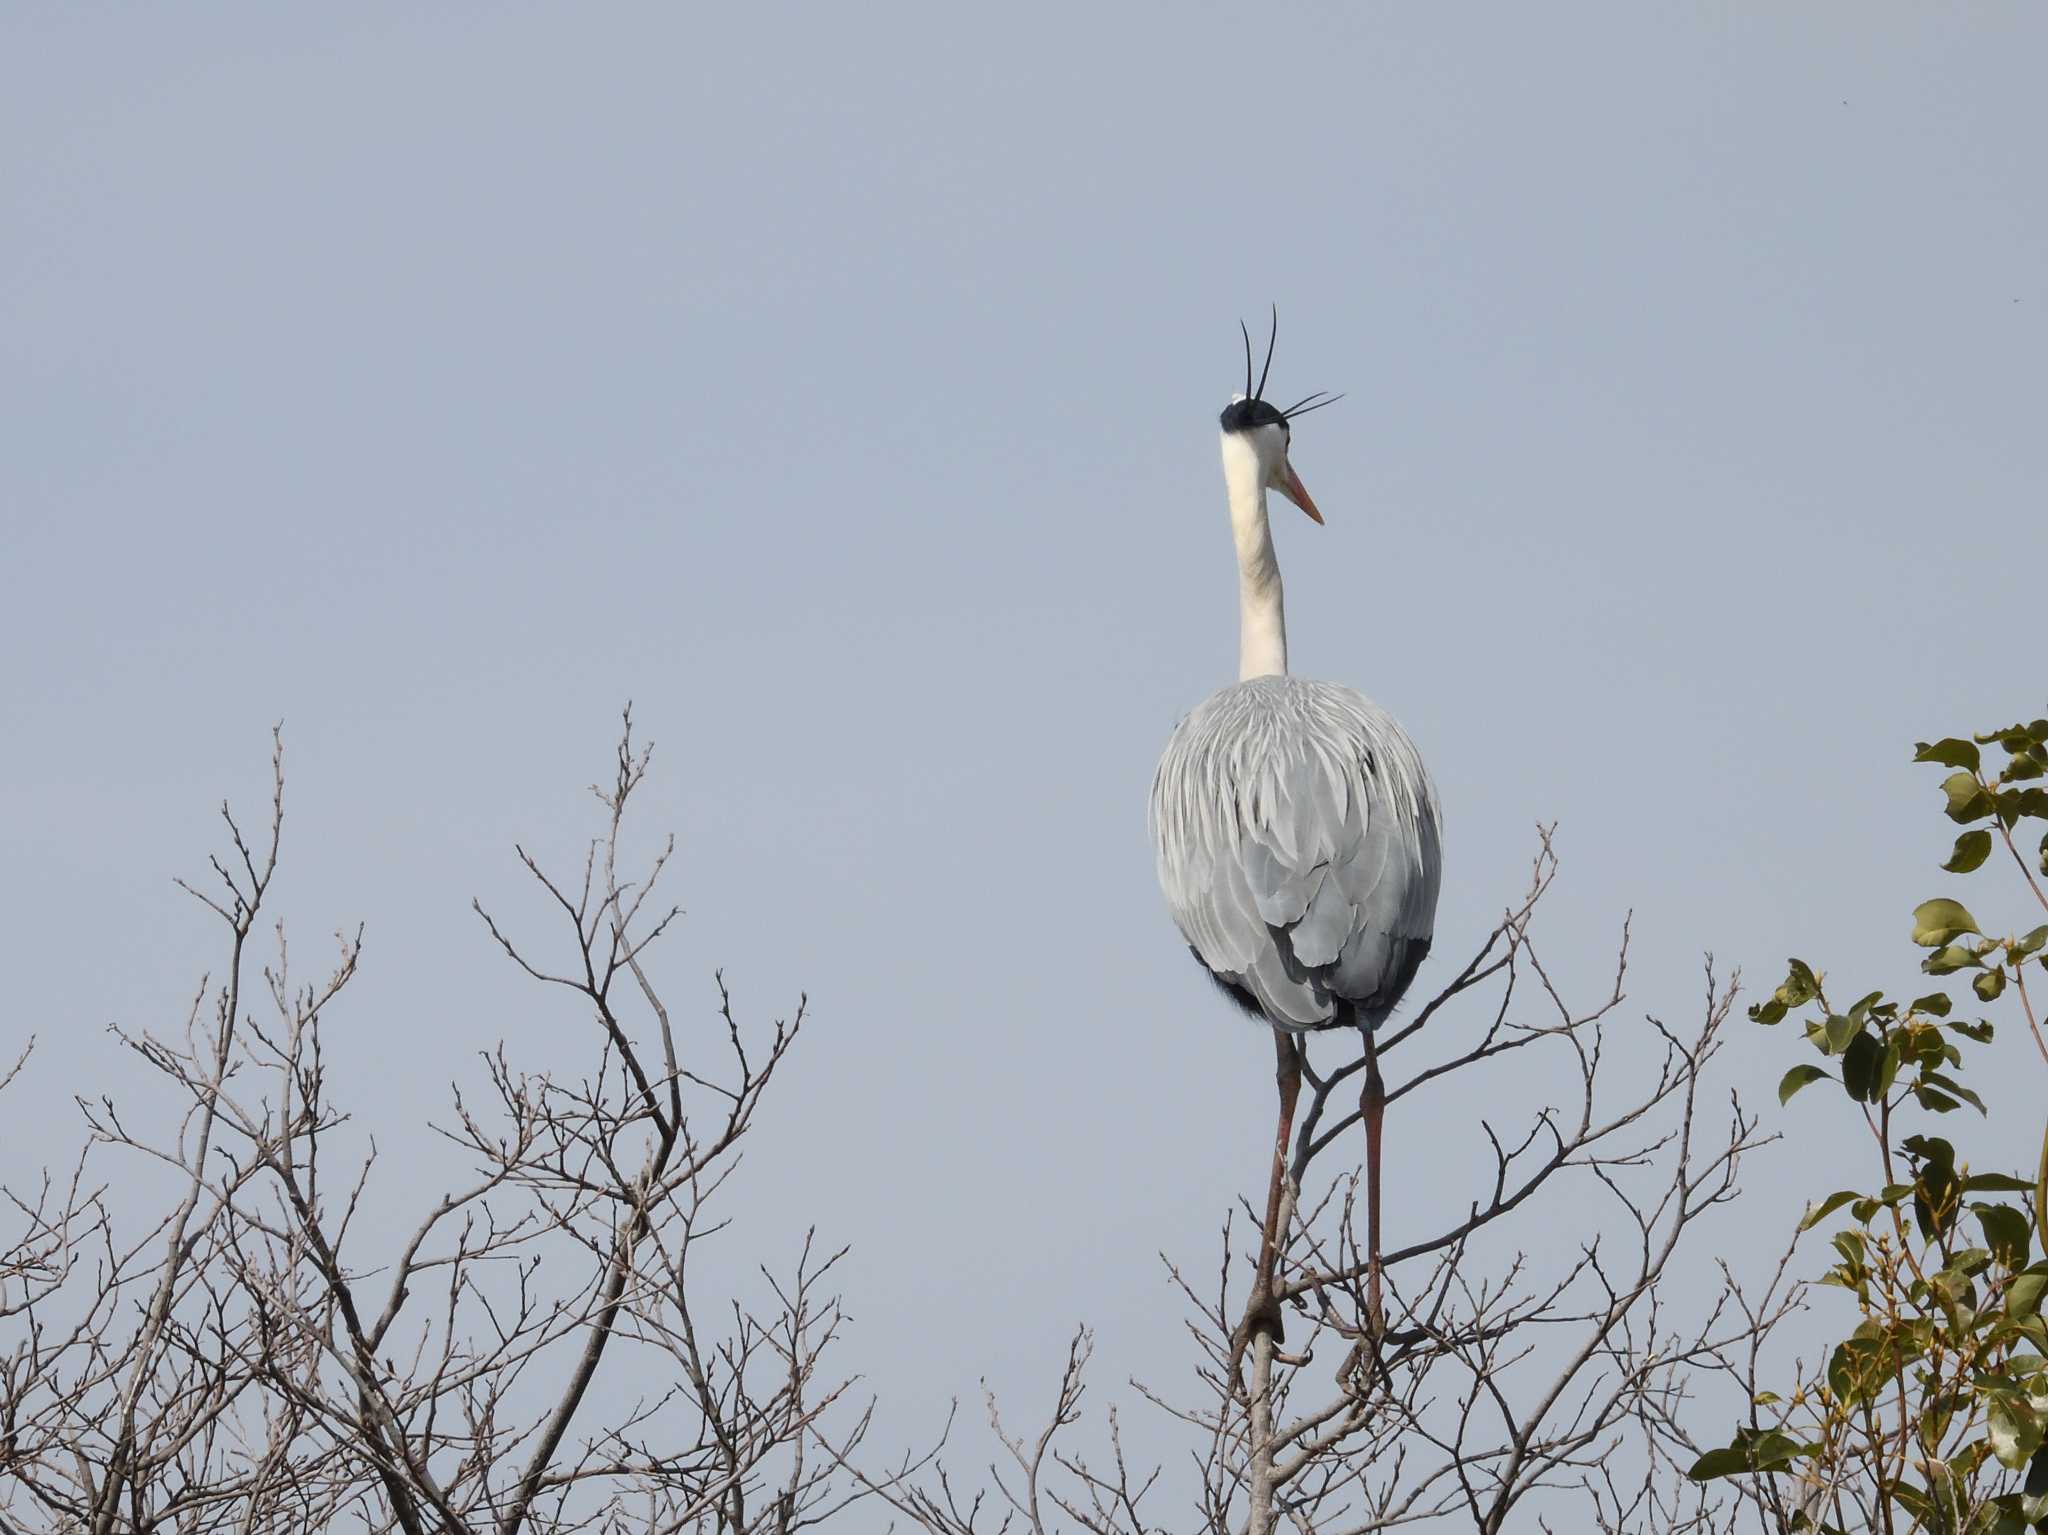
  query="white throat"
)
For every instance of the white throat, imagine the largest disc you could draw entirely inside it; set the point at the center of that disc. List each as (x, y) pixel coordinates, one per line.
(1262, 615)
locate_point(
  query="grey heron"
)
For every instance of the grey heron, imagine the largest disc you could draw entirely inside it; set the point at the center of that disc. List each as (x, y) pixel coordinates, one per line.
(1297, 830)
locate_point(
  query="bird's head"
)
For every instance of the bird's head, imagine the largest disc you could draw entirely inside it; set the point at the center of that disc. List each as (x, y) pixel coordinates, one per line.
(1257, 434)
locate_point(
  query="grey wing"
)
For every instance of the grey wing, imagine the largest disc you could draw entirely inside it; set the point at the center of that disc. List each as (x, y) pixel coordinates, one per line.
(1300, 849)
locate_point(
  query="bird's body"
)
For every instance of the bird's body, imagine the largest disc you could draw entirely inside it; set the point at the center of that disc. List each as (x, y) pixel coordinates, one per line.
(1299, 848)
(1298, 837)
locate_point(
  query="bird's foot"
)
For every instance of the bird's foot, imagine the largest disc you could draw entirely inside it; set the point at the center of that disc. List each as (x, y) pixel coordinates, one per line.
(1261, 1315)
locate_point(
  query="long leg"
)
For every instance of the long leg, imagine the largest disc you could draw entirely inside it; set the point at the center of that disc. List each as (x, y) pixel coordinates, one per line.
(1287, 1074)
(1262, 1310)
(1372, 1106)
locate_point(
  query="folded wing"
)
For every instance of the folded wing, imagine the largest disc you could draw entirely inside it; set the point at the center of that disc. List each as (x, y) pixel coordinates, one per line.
(1299, 848)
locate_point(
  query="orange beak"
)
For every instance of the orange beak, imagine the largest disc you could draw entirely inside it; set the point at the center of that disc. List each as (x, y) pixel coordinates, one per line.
(1291, 487)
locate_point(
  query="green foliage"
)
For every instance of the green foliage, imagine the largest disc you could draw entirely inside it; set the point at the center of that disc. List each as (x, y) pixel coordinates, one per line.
(1797, 1078)
(1972, 848)
(1932, 1414)
(1939, 922)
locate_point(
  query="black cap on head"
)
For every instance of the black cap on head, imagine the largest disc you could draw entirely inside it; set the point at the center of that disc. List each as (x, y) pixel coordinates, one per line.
(1243, 415)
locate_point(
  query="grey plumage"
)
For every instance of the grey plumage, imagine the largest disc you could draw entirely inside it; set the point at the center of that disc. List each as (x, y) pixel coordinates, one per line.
(1300, 849)
(1299, 843)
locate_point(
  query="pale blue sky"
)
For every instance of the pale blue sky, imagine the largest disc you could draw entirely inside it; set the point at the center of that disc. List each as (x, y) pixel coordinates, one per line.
(840, 385)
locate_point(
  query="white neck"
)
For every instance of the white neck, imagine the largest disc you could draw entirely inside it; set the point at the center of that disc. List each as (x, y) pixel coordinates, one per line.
(1262, 615)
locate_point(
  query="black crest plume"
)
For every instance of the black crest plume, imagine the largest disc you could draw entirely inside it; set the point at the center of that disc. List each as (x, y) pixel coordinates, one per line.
(1253, 410)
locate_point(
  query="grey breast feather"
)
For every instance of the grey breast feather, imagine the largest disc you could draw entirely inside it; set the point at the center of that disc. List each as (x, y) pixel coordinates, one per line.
(1300, 848)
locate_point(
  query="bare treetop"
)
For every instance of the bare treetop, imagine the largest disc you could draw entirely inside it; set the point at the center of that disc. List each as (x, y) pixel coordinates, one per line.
(242, 1361)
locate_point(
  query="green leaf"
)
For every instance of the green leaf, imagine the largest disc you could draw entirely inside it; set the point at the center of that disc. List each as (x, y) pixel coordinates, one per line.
(1768, 1449)
(1980, 1031)
(1935, 1186)
(1949, 752)
(1799, 988)
(1995, 1183)
(1956, 1089)
(1729, 1460)
(1999, 1516)
(1887, 1198)
(1931, 1149)
(1800, 985)
(1940, 921)
(1926, 1047)
(1972, 848)
(1773, 1449)
(1855, 1370)
(2014, 1428)
(1967, 800)
(1949, 960)
(1969, 1262)
(1989, 984)
(1839, 1030)
(1918, 1504)
(1796, 1078)
(1935, 1414)
(1956, 1296)
(1935, 1002)
(2026, 945)
(2034, 1495)
(1815, 1214)
(2023, 1295)
(2005, 1233)
(1934, 1102)
(2013, 804)
(1861, 1066)
(2041, 1193)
